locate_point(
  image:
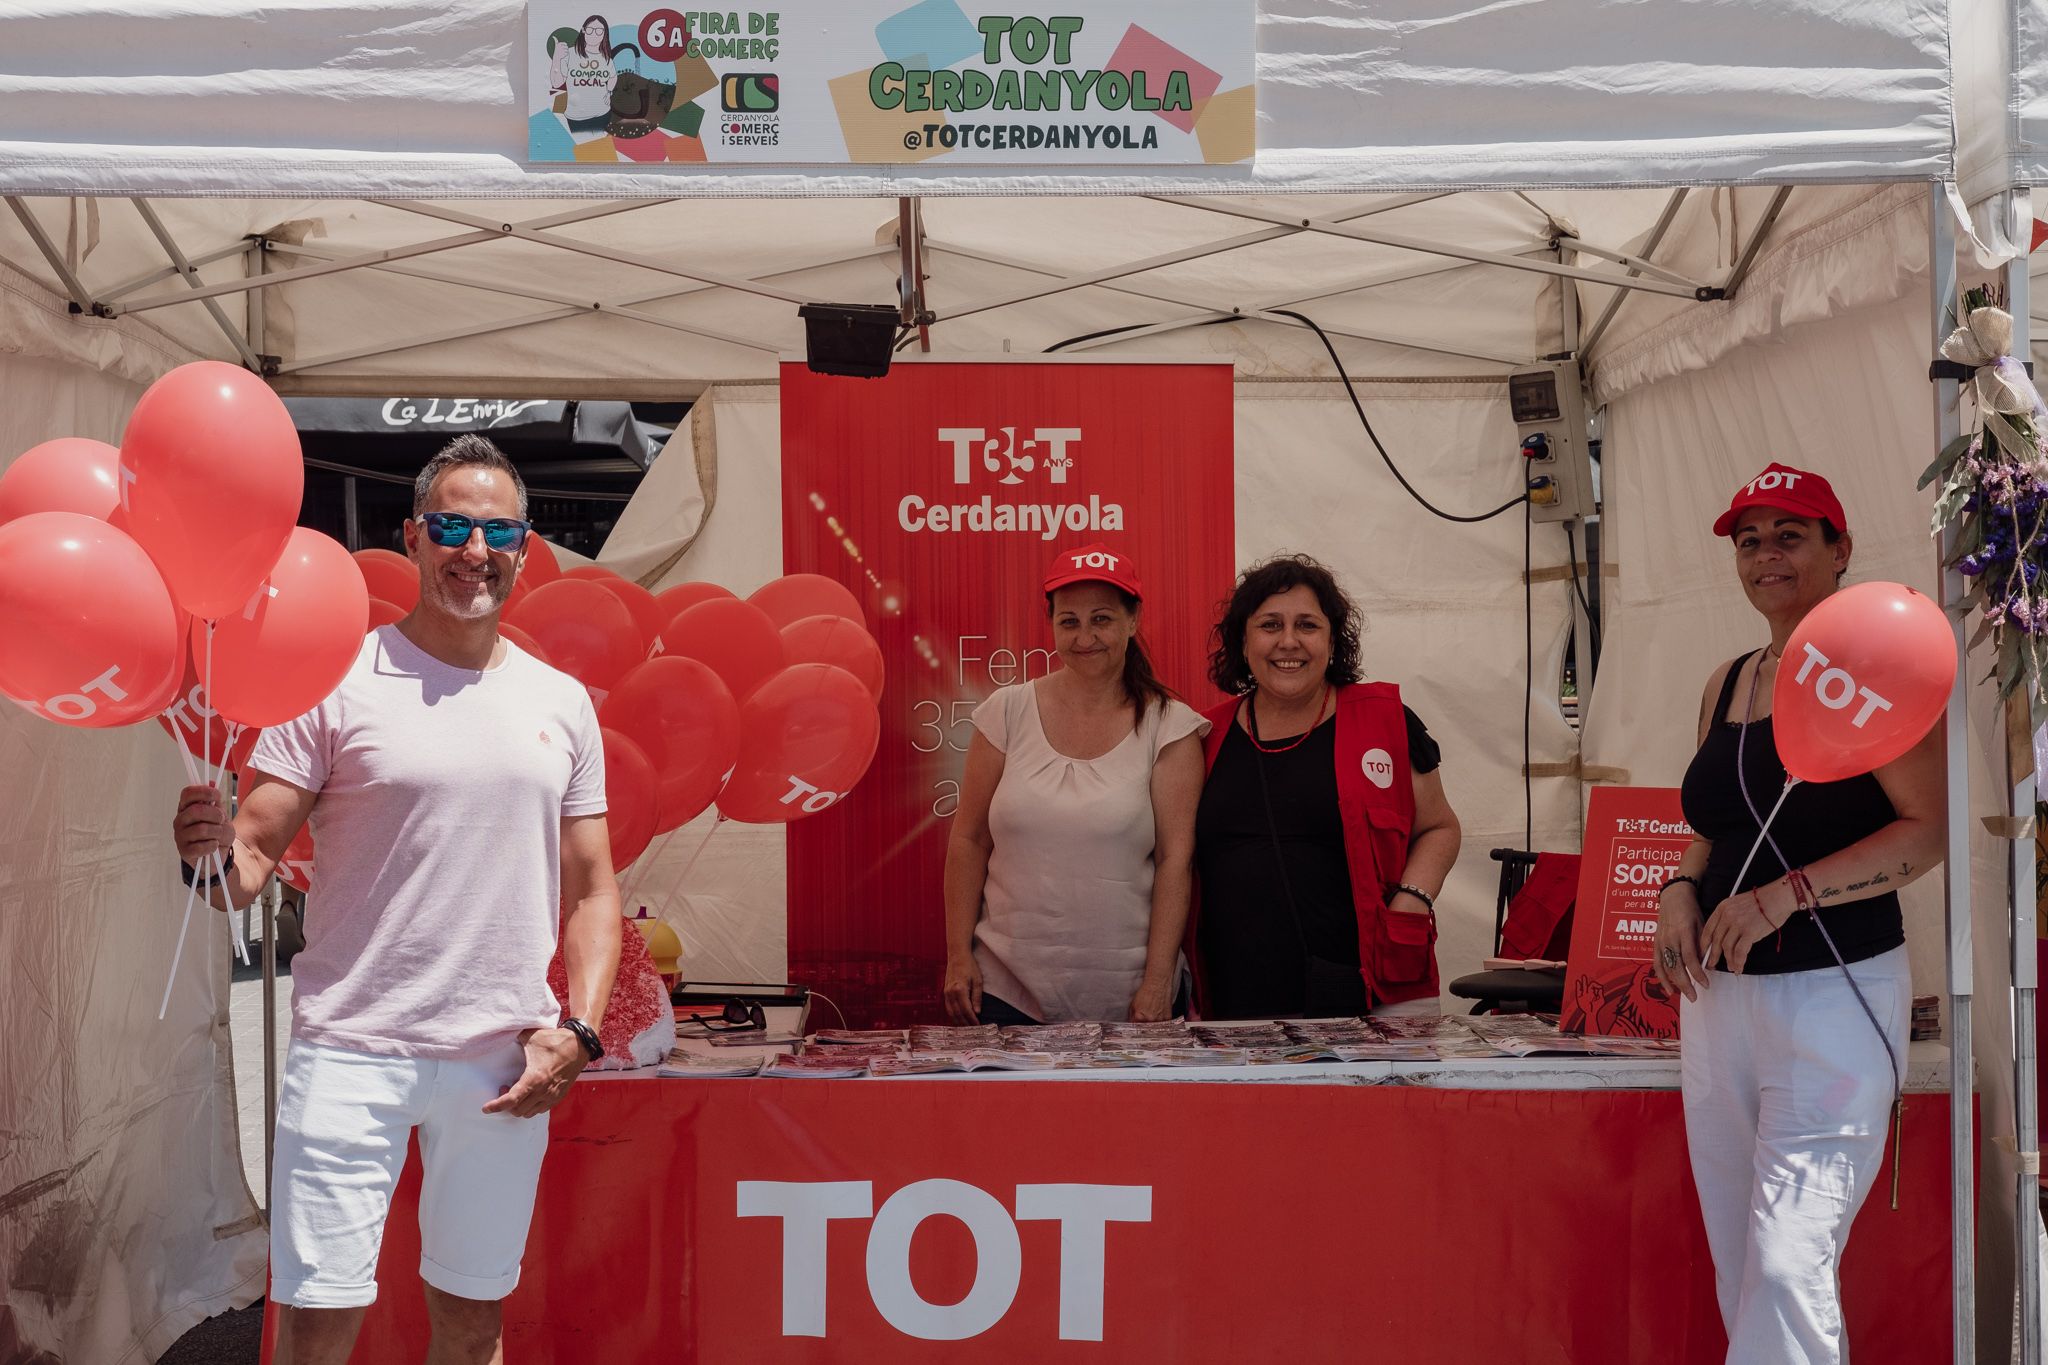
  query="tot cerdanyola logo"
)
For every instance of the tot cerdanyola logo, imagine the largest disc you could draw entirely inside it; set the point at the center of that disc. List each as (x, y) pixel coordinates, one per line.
(1012, 462)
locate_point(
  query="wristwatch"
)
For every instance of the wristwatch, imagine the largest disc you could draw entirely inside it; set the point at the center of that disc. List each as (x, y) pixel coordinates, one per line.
(209, 881)
(585, 1035)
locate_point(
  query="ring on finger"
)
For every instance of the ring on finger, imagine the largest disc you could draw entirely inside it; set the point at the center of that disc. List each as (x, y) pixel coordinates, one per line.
(1668, 955)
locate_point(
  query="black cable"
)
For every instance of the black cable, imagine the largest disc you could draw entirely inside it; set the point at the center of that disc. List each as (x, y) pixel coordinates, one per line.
(1310, 323)
(1592, 622)
(1118, 331)
(1529, 673)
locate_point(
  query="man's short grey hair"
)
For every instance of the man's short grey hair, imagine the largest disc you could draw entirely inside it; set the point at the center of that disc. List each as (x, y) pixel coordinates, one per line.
(468, 449)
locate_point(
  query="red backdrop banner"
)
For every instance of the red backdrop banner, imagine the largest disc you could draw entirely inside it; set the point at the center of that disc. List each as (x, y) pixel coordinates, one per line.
(939, 496)
(974, 1220)
(1634, 839)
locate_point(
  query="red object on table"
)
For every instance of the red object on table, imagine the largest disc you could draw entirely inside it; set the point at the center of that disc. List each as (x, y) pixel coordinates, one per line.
(1538, 923)
(1283, 1219)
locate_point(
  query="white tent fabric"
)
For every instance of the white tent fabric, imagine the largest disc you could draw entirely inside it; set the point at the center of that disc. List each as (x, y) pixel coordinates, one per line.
(217, 97)
(2001, 91)
(124, 1218)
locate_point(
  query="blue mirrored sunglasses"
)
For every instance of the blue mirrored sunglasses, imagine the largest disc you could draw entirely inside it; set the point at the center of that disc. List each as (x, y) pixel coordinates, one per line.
(451, 529)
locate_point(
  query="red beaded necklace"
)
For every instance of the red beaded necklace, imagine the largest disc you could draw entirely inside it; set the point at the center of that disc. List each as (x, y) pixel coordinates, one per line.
(1251, 706)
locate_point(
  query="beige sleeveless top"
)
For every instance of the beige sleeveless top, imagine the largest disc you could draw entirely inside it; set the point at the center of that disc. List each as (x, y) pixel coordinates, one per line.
(1068, 901)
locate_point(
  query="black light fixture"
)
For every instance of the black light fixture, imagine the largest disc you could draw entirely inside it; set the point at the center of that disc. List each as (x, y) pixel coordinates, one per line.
(849, 338)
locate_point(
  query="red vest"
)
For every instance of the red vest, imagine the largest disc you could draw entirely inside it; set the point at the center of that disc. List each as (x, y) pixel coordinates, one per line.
(1376, 804)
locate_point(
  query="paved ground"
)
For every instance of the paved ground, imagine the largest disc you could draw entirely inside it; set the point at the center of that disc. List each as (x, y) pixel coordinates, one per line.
(236, 1338)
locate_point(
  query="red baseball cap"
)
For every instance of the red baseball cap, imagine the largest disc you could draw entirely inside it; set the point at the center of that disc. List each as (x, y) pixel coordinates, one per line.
(1095, 563)
(1795, 490)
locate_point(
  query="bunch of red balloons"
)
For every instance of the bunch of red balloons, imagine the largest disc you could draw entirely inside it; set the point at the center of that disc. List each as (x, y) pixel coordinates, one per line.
(169, 578)
(765, 706)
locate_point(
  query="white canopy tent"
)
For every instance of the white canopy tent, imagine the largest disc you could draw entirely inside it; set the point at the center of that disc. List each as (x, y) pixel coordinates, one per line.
(334, 198)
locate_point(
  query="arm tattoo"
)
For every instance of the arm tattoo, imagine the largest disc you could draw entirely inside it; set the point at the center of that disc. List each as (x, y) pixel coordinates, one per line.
(1875, 879)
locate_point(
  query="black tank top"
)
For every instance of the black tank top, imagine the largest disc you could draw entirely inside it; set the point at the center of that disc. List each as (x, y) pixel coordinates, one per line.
(1819, 818)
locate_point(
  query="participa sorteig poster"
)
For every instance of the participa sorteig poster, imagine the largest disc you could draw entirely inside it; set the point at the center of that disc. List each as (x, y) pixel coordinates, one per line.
(834, 82)
(1634, 839)
(939, 495)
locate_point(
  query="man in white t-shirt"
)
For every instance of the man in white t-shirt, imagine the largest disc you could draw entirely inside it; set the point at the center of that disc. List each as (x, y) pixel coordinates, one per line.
(455, 786)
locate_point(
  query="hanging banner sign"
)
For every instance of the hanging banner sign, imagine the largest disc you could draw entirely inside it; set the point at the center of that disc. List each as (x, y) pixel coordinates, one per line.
(1634, 839)
(1082, 83)
(939, 496)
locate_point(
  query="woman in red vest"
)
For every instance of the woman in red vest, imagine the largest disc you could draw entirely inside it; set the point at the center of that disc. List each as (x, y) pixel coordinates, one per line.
(1323, 835)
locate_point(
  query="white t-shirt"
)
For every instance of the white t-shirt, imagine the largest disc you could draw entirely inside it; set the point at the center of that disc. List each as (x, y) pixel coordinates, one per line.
(1067, 905)
(436, 902)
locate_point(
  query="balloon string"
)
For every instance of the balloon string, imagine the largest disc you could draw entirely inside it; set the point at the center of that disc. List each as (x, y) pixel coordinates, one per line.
(1762, 833)
(676, 882)
(644, 864)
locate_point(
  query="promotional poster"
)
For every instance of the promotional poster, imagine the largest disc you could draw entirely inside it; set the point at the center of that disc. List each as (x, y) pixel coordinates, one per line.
(878, 81)
(939, 495)
(1634, 839)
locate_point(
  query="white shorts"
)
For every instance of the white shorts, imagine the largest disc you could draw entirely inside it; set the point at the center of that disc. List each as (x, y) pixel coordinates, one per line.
(342, 1122)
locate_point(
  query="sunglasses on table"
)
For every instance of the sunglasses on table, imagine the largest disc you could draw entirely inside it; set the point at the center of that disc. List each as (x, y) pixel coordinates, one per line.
(450, 530)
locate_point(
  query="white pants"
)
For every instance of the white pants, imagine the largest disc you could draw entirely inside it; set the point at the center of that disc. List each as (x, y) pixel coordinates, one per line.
(1787, 1099)
(342, 1122)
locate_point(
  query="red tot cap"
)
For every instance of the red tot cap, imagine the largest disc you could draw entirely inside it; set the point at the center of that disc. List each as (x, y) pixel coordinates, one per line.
(1780, 485)
(1095, 563)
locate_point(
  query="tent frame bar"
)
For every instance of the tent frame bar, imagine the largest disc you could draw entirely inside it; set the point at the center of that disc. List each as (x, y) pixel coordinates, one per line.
(1650, 245)
(1434, 248)
(1756, 241)
(599, 209)
(1955, 867)
(645, 262)
(167, 272)
(189, 272)
(623, 305)
(81, 301)
(1637, 265)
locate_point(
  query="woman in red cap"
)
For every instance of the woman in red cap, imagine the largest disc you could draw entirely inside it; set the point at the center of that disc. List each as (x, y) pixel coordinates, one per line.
(1796, 987)
(1323, 834)
(1070, 863)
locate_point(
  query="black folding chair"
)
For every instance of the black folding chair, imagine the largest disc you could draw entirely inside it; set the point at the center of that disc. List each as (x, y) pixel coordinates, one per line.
(1510, 990)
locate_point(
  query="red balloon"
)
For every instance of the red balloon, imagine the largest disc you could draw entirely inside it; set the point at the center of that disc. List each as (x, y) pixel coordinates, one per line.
(647, 615)
(837, 641)
(384, 613)
(524, 641)
(541, 566)
(1863, 679)
(211, 483)
(806, 736)
(679, 599)
(685, 721)
(390, 577)
(89, 636)
(792, 597)
(628, 797)
(69, 474)
(288, 648)
(190, 718)
(586, 631)
(520, 588)
(735, 638)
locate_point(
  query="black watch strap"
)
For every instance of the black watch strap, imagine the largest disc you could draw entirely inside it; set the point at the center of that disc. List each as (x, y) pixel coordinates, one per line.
(209, 881)
(585, 1035)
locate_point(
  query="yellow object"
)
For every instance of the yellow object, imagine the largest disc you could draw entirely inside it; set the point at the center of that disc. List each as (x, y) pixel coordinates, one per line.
(662, 944)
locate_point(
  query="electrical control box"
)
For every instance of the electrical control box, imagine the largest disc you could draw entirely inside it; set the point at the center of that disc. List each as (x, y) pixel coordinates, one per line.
(1549, 410)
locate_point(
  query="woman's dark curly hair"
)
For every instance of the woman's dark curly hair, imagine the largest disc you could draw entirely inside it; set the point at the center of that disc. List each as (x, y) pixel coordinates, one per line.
(1227, 666)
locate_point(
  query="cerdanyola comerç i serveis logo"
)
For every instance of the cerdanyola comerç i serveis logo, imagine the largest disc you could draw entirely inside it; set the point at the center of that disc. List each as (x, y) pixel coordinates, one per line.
(1010, 457)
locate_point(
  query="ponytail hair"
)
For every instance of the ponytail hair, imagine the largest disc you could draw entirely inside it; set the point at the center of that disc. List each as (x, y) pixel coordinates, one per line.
(1141, 684)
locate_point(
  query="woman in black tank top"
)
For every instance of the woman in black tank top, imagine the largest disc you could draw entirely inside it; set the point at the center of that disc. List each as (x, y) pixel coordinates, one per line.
(1794, 1016)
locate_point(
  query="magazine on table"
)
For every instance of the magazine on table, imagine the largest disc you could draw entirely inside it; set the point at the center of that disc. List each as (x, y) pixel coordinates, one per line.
(974, 1059)
(846, 1037)
(826, 1062)
(683, 1063)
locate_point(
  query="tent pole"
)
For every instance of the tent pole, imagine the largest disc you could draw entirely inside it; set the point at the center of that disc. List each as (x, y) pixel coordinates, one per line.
(2020, 781)
(189, 273)
(266, 907)
(1955, 868)
(1650, 245)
